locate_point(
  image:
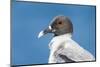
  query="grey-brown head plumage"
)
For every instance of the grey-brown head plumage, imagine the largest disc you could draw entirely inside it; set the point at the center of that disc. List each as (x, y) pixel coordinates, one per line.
(59, 25)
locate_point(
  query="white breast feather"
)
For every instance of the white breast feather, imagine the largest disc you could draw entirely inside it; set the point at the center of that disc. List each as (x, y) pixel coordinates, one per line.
(68, 47)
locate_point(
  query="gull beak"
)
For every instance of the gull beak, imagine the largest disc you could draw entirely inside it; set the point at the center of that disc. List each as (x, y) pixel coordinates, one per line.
(41, 34)
(47, 30)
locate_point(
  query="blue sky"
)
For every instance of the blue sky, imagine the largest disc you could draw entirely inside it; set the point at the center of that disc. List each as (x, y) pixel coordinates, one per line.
(28, 19)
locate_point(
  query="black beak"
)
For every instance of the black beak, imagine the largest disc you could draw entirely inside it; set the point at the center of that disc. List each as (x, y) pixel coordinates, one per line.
(47, 30)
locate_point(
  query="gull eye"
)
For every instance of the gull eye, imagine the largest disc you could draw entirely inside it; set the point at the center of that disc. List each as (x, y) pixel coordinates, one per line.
(60, 22)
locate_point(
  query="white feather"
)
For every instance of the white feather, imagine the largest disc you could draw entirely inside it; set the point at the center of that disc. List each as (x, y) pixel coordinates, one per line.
(65, 45)
(50, 27)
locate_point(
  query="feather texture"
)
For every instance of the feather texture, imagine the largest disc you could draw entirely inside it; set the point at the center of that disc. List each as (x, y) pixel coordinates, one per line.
(64, 49)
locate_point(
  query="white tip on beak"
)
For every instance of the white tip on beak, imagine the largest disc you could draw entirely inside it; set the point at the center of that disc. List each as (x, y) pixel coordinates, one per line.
(40, 34)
